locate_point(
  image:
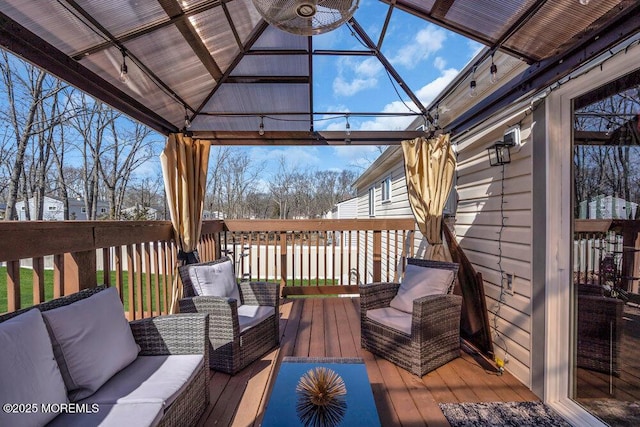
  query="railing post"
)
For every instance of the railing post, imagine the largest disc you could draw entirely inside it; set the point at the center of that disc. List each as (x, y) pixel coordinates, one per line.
(13, 285)
(79, 271)
(283, 258)
(377, 255)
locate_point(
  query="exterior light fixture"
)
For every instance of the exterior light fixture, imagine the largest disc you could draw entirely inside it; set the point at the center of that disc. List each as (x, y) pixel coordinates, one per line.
(473, 87)
(494, 72)
(261, 128)
(347, 126)
(499, 154)
(124, 72)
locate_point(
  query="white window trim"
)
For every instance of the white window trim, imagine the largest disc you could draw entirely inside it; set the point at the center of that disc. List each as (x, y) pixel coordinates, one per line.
(372, 201)
(382, 185)
(559, 345)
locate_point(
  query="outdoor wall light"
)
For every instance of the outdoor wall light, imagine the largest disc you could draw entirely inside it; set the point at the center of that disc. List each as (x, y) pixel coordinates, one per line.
(499, 154)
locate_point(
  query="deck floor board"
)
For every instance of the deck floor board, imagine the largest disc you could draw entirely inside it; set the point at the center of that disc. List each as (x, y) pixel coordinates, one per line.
(316, 327)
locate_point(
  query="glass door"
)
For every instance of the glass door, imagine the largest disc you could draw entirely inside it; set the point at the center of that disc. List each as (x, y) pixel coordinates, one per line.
(605, 369)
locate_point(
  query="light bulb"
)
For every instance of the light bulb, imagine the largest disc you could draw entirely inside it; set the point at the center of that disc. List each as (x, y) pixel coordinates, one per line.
(473, 90)
(348, 127)
(584, 2)
(124, 74)
(261, 128)
(494, 73)
(187, 122)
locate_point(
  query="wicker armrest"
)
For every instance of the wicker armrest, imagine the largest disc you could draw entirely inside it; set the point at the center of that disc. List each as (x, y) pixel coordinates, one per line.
(223, 313)
(377, 294)
(260, 293)
(173, 334)
(436, 314)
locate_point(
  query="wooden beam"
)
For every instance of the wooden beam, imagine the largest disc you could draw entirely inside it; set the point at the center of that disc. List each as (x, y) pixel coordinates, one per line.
(305, 138)
(319, 290)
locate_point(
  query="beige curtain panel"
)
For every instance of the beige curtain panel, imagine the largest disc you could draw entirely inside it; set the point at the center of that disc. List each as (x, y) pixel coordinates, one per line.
(184, 167)
(429, 165)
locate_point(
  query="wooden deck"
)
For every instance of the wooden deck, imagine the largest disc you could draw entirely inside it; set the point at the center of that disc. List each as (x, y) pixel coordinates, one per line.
(330, 327)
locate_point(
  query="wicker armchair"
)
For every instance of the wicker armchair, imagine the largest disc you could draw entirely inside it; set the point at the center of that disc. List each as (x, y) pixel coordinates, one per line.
(434, 337)
(232, 346)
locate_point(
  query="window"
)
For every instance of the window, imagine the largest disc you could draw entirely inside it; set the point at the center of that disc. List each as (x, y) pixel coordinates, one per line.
(83, 210)
(22, 208)
(386, 190)
(372, 200)
(103, 210)
(52, 208)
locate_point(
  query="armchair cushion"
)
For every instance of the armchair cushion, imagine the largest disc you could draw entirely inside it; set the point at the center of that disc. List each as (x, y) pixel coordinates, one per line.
(251, 315)
(28, 371)
(215, 280)
(91, 329)
(419, 282)
(392, 318)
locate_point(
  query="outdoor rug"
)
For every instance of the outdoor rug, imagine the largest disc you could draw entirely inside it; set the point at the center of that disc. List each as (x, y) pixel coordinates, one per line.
(501, 414)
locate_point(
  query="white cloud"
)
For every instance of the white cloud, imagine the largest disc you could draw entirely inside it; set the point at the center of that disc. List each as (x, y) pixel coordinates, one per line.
(428, 92)
(440, 63)
(426, 42)
(356, 75)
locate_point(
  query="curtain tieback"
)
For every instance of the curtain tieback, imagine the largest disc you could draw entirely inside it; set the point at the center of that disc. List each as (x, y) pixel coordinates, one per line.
(188, 257)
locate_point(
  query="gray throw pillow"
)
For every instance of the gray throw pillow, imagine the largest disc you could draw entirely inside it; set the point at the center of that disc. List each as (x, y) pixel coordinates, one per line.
(215, 280)
(92, 341)
(419, 282)
(29, 373)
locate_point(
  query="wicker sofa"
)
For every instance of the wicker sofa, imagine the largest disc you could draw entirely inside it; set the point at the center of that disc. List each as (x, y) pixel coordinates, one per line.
(244, 318)
(432, 334)
(167, 383)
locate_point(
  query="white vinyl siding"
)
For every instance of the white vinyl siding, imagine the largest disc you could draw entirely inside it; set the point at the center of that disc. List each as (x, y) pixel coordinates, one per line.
(482, 194)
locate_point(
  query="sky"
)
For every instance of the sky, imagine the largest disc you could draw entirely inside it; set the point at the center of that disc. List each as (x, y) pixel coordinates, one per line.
(427, 57)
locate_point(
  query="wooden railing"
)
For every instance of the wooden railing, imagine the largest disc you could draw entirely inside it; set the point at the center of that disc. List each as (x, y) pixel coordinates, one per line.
(139, 257)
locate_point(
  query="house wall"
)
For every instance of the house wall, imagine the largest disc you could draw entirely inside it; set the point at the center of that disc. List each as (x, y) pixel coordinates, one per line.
(494, 228)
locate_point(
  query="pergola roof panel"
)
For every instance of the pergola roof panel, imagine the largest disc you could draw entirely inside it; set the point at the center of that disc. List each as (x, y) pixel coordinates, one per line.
(52, 22)
(257, 99)
(215, 31)
(120, 17)
(276, 39)
(187, 76)
(245, 17)
(272, 65)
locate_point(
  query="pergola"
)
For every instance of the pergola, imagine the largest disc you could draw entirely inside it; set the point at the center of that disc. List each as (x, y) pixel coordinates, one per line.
(221, 66)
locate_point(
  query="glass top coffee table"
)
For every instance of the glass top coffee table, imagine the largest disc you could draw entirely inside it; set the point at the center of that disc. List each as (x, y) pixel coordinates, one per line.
(283, 409)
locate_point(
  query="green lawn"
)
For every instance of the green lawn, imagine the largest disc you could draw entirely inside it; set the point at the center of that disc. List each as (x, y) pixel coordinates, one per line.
(26, 288)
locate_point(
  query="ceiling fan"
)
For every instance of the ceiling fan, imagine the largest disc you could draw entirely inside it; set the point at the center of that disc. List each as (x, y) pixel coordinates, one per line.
(306, 17)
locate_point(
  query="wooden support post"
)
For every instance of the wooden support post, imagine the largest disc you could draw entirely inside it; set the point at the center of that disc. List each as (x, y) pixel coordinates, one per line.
(377, 255)
(80, 271)
(58, 275)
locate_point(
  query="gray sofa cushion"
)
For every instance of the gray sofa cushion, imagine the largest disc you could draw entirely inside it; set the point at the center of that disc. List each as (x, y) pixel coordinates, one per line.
(154, 379)
(392, 318)
(419, 282)
(251, 315)
(117, 415)
(28, 371)
(92, 341)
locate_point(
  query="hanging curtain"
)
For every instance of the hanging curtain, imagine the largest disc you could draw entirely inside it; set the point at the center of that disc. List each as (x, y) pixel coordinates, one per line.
(429, 165)
(184, 167)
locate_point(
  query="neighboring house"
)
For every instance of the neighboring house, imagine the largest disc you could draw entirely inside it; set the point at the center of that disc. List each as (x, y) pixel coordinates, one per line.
(212, 215)
(3, 208)
(139, 212)
(344, 210)
(53, 209)
(608, 207)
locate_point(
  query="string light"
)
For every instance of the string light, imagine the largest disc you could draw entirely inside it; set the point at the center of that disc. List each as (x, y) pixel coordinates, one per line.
(494, 71)
(261, 128)
(347, 126)
(584, 2)
(187, 122)
(124, 72)
(473, 88)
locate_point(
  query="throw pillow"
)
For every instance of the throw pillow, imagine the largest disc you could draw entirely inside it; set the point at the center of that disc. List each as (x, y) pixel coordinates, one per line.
(92, 341)
(419, 282)
(216, 280)
(28, 371)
